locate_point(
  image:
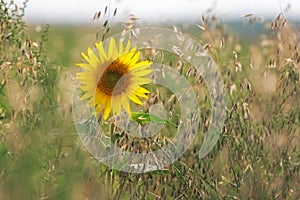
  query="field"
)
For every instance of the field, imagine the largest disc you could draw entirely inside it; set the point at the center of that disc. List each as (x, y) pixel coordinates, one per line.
(256, 157)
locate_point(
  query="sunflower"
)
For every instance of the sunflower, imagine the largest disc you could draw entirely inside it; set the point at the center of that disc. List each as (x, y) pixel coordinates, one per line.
(111, 79)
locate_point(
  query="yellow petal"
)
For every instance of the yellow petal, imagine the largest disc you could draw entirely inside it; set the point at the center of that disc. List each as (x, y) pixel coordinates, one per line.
(89, 87)
(121, 48)
(141, 91)
(93, 57)
(127, 47)
(125, 103)
(142, 73)
(90, 61)
(86, 95)
(135, 58)
(87, 74)
(101, 51)
(116, 104)
(83, 78)
(112, 50)
(141, 95)
(127, 57)
(140, 80)
(135, 99)
(140, 65)
(85, 66)
(100, 98)
(107, 108)
(99, 108)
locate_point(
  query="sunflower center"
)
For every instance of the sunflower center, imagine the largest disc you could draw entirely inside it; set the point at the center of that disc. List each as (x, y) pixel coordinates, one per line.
(114, 79)
(110, 79)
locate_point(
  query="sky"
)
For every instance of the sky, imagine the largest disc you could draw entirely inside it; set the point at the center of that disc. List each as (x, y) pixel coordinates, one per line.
(151, 11)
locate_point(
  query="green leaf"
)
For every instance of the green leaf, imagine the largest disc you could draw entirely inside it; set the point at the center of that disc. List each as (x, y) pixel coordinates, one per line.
(144, 118)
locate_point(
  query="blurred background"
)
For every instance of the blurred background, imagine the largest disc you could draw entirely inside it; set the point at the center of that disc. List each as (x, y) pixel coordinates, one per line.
(70, 19)
(155, 11)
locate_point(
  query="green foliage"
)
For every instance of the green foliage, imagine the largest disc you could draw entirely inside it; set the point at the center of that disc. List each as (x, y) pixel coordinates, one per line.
(144, 118)
(34, 161)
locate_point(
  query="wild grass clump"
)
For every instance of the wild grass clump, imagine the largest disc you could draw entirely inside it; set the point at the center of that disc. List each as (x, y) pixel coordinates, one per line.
(256, 157)
(34, 158)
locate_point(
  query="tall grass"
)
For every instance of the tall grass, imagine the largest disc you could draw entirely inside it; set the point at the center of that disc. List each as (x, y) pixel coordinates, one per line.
(257, 156)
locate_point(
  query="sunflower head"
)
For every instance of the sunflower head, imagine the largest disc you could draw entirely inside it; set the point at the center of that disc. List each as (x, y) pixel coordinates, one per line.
(110, 79)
